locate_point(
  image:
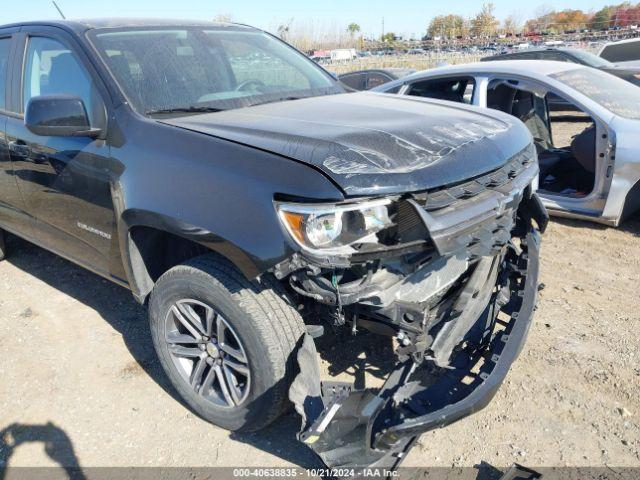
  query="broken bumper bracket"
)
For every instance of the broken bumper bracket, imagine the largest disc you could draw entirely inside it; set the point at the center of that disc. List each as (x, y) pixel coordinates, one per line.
(362, 429)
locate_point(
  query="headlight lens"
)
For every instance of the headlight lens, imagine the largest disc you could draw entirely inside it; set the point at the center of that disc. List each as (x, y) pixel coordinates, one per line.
(321, 230)
(334, 228)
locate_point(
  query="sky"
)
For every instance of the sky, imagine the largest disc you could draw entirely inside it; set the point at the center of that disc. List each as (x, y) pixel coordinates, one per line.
(406, 17)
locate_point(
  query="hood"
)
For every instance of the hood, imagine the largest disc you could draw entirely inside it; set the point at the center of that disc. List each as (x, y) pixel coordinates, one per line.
(370, 143)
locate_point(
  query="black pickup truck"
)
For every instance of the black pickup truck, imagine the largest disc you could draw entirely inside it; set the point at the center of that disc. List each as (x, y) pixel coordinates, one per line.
(233, 186)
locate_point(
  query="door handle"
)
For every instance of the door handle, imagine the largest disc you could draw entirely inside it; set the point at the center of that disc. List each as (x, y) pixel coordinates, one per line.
(19, 149)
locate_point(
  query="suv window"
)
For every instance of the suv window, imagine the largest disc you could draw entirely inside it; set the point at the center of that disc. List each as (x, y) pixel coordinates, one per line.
(376, 79)
(524, 56)
(5, 45)
(51, 68)
(557, 57)
(355, 80)
(395, 89)
(621, 52)
(453, 89)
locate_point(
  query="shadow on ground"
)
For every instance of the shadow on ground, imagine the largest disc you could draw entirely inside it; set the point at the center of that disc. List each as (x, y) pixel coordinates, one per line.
(117, 307)
(57, 445)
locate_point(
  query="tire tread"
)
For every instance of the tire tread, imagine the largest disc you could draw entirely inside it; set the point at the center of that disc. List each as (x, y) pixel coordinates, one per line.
(265, 301)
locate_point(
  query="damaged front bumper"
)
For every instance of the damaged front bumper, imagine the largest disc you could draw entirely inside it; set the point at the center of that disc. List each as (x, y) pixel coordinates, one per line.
(351, 428)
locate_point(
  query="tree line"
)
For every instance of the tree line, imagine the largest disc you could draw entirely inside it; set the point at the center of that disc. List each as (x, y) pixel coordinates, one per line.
(485, 23)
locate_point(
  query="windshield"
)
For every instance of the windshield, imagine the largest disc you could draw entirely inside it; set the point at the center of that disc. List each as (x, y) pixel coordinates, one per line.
(590, 59)
(616, 95)
(164, 70)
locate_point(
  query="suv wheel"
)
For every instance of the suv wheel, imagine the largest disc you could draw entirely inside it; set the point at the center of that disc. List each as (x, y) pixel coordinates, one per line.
(227, 344)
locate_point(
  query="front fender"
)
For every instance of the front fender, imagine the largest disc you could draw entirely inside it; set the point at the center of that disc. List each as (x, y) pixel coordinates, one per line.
(247, 263)
(626, 173)
(211, 191)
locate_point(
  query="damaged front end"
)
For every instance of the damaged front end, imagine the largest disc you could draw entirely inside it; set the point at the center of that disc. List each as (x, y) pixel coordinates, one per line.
(451, 274)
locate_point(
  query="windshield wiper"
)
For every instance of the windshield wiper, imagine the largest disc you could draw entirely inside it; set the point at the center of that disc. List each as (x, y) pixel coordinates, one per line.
(275, 100)
(191, 109)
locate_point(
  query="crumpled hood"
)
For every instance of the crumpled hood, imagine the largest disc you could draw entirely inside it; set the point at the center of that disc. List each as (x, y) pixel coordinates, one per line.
(370, 143)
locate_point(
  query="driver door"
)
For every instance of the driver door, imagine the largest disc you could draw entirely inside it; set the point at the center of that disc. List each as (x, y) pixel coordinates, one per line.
(65, 181)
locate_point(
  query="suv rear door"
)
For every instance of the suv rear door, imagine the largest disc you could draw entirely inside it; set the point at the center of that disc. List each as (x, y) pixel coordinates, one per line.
(65, 181)
(12, 211)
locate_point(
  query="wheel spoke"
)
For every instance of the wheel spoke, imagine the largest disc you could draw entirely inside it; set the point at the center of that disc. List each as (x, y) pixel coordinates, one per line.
(208, 381)
(238, 367)
(188, 311)
(180, 351)
(235, 353)
(178, 313)
(222, 381)
(198, 370)
(232, 382)
(210, 321)
(175, 337)
(220, 329)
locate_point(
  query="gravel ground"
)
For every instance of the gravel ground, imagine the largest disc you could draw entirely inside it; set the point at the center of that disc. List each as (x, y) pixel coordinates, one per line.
(80, 384)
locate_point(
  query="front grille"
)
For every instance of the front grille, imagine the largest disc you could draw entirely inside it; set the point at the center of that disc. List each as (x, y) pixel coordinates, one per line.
(448, 196)
(410, 225)
(477, 216)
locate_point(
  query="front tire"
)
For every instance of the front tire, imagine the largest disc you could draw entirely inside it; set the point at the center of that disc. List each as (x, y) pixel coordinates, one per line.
(227, 344)
(3, 246)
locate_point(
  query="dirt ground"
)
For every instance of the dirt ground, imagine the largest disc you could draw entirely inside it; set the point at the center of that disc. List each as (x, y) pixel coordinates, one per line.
(80, 384)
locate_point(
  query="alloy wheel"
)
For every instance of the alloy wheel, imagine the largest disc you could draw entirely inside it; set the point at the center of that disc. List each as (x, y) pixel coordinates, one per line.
(207, 353)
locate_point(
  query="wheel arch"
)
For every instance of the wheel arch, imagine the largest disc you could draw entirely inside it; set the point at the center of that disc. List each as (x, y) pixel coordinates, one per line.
(631, 202)
(153, 243)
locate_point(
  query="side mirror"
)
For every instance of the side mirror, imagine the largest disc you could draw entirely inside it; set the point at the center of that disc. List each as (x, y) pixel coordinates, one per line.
(58, 116)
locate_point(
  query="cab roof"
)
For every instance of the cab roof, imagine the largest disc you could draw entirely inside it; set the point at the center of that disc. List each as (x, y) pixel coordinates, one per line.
(82, 25)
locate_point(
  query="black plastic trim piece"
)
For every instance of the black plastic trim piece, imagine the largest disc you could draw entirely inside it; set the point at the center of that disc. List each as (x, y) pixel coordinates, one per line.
(480, 397)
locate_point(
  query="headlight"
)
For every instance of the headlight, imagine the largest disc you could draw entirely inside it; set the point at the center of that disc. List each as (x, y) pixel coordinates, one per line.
(334, 228)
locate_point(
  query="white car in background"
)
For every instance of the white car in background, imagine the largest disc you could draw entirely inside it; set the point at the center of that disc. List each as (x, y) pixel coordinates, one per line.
(589, 153)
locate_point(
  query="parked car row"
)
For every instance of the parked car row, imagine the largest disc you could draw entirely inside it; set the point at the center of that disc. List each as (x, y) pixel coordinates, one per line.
(572, 55)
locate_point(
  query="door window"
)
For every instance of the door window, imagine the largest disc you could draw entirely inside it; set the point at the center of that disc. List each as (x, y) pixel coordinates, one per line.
(395, 89)
(355, 80)
(621, 52)
(5, 46)
(557, 57)
(453, 89)
(525, 56)
(376, 79)
(52, 68)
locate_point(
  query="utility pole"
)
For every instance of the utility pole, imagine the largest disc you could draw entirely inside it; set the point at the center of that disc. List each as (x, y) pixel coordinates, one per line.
(382, 36)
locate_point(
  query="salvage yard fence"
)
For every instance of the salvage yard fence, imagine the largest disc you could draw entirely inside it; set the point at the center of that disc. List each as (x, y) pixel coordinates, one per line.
(419, 62)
